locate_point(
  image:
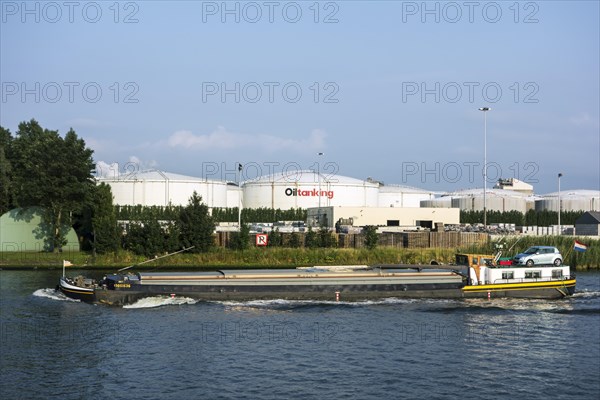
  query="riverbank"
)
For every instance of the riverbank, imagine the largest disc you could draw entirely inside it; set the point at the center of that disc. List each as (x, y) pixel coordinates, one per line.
(251, 258)
(254, 257)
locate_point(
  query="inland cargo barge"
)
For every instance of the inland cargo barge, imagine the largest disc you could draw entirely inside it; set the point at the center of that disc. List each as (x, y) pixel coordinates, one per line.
(345, 283)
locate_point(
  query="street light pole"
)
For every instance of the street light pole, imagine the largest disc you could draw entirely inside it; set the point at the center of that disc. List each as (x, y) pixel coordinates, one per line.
(319, 175)
(559, 207)
(485, 110)
(239, 171)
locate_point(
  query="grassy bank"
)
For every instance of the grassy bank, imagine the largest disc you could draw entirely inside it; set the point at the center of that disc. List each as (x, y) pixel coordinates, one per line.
(288, 257)
(255, 257)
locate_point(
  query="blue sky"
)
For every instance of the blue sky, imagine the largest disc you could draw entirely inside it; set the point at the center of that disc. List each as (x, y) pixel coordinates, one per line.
(388, 90)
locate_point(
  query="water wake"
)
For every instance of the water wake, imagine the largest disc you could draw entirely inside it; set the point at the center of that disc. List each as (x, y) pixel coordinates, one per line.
(587, 294)
(52, 294)
(279, 303)
(159, 301)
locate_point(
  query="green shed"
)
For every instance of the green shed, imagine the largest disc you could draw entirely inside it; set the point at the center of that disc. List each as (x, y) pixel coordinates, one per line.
(22, 230)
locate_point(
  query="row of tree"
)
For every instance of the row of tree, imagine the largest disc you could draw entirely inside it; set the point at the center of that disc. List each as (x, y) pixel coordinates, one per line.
(530, 218)
(320, 238)
(171, 212)
(192, 227)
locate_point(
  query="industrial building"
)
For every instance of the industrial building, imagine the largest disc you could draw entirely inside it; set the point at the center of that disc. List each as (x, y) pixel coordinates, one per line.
(588, 224)
(366, 202)
(407, 217)
(514, 185)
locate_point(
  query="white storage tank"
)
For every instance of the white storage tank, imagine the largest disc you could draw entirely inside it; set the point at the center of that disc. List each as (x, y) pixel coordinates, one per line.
(157, 188)
(305, 189)
(402, 196)
(234, 194)
(496, 200)
(571, 200)
(438, 202)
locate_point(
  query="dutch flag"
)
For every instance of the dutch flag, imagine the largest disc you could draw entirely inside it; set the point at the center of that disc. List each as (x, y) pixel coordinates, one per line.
(580, 246)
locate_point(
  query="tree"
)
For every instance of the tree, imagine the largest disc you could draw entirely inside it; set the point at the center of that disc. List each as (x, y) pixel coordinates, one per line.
(172, 236)
(6, 193)
(146, 238)
(105, 232)
(196, 226)
(311, 240)
(275, 238)
(241, 239)
(294, 241)
(326, 239)
(371, 237)
(51, 172)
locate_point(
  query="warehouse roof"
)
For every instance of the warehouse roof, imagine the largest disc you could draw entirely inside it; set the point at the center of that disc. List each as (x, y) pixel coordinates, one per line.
(590, 217)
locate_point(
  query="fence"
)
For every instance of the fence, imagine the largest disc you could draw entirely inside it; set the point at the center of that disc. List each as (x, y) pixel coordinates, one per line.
(406, 240)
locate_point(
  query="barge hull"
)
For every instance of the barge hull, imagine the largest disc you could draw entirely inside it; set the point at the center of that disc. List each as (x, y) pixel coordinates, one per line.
(333, 293)
(294, 292)
(533, 290)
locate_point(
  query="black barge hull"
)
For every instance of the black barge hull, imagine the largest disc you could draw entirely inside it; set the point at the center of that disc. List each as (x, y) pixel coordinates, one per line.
(331, 293)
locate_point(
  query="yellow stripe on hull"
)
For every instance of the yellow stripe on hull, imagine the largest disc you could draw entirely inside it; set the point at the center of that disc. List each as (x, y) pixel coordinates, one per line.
(76, 291)
(519, 286)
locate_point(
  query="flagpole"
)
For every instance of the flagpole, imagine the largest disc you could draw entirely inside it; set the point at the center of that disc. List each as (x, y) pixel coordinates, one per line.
(569, 253)
(559, 207)
(66, 264)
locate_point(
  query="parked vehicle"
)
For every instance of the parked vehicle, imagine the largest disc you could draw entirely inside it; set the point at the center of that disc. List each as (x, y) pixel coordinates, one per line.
(539, 255)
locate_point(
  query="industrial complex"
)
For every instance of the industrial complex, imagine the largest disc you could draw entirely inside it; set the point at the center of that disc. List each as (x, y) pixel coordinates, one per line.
(330, 199)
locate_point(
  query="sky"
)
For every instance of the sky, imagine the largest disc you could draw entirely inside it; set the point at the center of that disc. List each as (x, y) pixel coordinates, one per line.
(383, 89)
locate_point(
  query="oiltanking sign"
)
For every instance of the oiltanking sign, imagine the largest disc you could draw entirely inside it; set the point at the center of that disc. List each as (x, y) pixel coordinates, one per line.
(309, 193)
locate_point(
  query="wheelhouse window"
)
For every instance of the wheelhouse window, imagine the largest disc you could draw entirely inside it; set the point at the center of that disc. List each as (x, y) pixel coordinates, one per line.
(533, 274)
(557, 273)
(462, 259)
(508, 275)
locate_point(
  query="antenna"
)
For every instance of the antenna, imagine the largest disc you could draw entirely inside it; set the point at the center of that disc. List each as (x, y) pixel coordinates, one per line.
(157, 258)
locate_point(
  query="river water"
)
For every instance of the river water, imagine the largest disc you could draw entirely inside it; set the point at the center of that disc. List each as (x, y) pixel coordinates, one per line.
(52, 347)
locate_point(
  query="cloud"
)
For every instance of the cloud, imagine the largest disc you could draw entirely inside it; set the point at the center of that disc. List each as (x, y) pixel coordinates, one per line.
(218, 139)
(222, 139)
(584, 119)
(106, 170)
(134, 165)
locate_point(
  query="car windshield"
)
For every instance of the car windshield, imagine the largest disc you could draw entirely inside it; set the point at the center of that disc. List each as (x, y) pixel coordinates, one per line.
(531, 250)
